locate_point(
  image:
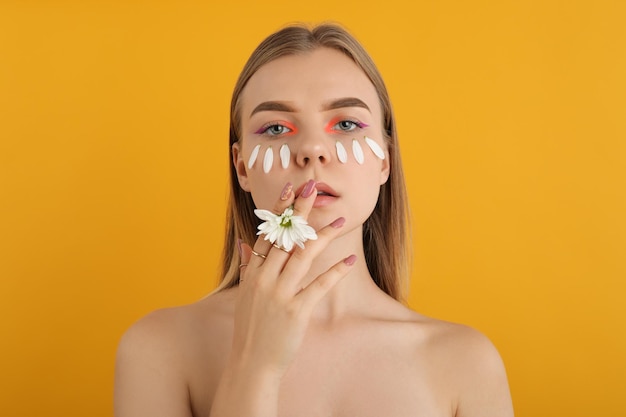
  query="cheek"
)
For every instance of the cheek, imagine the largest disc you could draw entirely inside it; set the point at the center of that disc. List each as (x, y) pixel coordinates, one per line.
(373, 178)
(266, 188)
(364, 181)
(367, 173)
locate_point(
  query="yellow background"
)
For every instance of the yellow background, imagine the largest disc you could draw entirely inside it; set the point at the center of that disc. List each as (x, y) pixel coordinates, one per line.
(113, 162)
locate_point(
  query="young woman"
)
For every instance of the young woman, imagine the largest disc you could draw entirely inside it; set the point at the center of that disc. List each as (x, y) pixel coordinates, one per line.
(308, 319)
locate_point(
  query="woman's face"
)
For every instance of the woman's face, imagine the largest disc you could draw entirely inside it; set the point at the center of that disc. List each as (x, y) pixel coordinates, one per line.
(298, 114)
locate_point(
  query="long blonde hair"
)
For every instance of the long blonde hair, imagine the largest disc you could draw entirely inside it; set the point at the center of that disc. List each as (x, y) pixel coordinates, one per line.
(385, 233)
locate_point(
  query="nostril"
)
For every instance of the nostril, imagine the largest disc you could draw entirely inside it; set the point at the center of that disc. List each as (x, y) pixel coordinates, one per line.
(320, 158)
(309, 154)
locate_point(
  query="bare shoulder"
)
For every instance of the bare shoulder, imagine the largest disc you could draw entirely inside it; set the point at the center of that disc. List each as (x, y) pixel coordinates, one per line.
(163, 331)
(157, 355)
(471, 366)
(461, 343)
(441, 340)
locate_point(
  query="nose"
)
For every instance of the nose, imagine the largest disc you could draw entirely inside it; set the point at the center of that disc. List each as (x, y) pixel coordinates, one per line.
(312, 149)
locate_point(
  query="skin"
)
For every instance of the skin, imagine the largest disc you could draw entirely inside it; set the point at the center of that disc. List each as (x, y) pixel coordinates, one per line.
(308, 333)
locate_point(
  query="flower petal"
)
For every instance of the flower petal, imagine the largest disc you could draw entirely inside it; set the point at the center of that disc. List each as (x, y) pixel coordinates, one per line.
(357, 151)
(342, 155)
(268, 160)
(285, 230)
(265, 214)
(285, 155)
(375, 147)
(286, 240)
(253, 155)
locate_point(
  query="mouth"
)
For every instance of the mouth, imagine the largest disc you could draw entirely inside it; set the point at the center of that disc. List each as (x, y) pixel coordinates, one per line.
(326, 196)
(323, 190)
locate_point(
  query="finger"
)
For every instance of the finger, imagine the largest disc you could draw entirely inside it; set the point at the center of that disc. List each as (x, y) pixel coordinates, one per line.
(286, 198)
(302, 206)
(254, 258)
(300, 261)
(304, 203)
(321, 285)
(245, 252)
(244, 259)
(277, 256)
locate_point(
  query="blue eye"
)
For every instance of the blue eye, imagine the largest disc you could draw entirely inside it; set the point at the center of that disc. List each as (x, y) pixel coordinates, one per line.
(275, 129)
(348, 125)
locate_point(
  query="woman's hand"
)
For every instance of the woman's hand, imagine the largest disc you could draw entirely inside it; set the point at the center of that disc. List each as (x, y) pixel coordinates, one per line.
(272, 313)
(273, 309)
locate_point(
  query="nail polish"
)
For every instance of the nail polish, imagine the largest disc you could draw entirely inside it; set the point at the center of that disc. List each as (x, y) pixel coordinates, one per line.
(239, 242)
(284, 195)
(308, 189)
(338, 222)
(350, 260)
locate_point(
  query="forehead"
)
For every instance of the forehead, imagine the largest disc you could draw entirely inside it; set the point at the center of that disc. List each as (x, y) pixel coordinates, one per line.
(309, 79)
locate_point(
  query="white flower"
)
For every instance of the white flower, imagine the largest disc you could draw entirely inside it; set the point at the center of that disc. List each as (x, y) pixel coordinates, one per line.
(285, 230)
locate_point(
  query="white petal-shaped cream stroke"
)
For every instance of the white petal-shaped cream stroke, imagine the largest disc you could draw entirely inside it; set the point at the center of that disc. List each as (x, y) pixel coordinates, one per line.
(342, 155)
(268, 160)
(285, 156)
(357, 151)
(375, 147)
(253, 155)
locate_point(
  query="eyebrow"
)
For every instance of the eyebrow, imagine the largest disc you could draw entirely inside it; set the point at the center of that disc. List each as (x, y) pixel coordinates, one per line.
(346, 102)
(332, 105)
(273, 106)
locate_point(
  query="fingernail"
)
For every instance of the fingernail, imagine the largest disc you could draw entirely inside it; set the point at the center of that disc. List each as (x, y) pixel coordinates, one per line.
(350, 260)
(239, 241)
(284, 195)
(338, 222)
(308, 189)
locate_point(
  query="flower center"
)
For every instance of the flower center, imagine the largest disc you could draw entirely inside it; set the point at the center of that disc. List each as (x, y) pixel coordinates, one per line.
(285, 218)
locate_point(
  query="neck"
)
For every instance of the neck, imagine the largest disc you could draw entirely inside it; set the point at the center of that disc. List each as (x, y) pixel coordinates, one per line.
(353, 293)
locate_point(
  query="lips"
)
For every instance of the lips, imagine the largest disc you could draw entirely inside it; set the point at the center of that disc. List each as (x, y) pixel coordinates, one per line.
(323, 189)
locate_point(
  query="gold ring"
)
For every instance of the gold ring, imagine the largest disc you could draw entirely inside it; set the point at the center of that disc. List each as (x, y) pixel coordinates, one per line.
(242, 265)
(260, 255)
(280, 247)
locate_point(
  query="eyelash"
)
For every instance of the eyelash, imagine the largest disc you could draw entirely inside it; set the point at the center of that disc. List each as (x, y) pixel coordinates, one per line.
(356, 123)
(265, 129)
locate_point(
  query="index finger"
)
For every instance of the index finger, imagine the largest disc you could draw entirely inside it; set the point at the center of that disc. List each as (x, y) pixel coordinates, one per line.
(302, 206)
(304, 203)
(286, 199)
